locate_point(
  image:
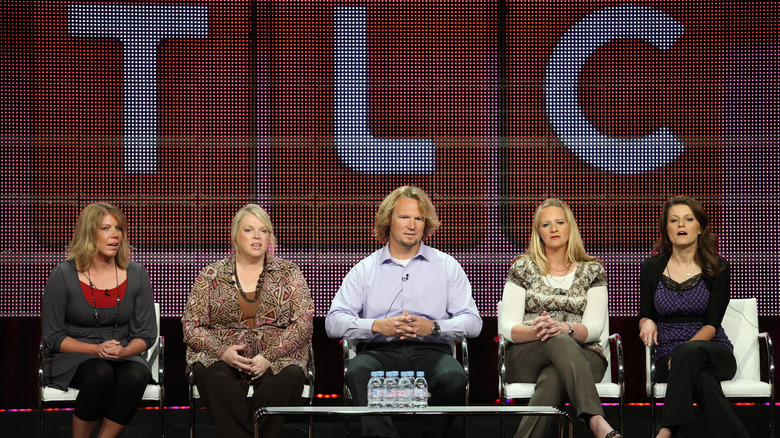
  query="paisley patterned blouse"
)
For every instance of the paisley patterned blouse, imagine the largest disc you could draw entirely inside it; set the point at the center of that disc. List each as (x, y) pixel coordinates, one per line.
(562, 304)
(213, 320)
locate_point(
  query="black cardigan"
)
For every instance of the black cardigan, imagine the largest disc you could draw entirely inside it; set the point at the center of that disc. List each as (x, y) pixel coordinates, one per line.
(653, 268)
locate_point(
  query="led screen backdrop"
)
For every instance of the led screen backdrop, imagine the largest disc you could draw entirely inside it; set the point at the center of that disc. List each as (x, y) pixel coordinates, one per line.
(180, 112)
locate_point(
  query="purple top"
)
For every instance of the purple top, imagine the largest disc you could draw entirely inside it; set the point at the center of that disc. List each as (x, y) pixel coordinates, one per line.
(432, 285)
(681, 307)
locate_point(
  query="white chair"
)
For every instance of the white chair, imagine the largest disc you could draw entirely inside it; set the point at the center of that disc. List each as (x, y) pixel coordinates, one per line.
(607, 388)
(740, 323)
(155, 392)
(308, 390)
(349, 347)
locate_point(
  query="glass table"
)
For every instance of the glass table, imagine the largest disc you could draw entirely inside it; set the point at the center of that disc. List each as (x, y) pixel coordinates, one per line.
(565, 420)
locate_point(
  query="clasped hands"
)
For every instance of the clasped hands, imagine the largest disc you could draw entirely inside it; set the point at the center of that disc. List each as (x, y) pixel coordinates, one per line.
(253, 367)
(546, 327)
(404, 326)
(110, 348)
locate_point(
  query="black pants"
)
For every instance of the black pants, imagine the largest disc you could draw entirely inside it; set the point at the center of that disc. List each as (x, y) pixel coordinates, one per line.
(224, 392)
(445, 376)
(697, 369)
(110, 389)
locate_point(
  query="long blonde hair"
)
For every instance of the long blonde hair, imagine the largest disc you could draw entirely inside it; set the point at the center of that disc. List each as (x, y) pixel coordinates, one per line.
(83, 246)
(575, 248)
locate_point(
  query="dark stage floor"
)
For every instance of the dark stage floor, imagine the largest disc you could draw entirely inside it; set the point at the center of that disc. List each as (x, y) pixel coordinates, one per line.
(145, 424)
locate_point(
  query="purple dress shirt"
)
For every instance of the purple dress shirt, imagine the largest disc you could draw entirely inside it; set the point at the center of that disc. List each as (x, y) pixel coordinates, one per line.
(432, 285)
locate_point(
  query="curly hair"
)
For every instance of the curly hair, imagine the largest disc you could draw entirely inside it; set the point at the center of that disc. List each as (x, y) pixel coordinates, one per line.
(385, 212)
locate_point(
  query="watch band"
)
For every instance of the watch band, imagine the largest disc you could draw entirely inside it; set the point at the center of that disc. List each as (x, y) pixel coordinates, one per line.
(571, 330)
(436, 329)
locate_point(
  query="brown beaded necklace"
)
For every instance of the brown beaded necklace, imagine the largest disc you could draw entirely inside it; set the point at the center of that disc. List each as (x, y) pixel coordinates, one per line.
(94, 304)
(258, 288)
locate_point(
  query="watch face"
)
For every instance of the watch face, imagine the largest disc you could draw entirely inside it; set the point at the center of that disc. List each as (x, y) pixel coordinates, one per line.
(436, 330)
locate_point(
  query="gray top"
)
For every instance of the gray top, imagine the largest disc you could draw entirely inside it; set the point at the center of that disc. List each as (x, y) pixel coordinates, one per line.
(66, 313)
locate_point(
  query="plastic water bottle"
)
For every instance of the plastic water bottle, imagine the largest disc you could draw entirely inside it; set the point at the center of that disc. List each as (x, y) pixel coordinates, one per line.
(406, 390)
(375, 390)
(390, 400)
(420, 391)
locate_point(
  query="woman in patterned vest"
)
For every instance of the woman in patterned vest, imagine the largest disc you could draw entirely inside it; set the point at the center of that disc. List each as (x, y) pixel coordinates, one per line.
(248, 321)
(554, 309)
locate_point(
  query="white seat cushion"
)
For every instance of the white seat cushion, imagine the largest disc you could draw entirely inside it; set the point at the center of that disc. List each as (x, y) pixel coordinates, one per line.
(55, 395)
(741, 325)
(526, 390)
(737, 388)
(151, 393)
(307, 391)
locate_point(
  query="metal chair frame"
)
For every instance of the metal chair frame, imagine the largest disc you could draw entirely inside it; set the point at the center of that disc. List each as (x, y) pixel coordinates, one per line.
(308, 390)
(607, 388)
(734, 319)
(155, 392)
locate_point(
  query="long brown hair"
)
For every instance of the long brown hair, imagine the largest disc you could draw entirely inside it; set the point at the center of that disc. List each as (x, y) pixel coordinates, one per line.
(706, 254)
(83, 246)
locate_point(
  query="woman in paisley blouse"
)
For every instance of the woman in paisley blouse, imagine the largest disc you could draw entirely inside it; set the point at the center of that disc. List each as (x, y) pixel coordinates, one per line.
(554, 309)
(684, 295)
(248, 321)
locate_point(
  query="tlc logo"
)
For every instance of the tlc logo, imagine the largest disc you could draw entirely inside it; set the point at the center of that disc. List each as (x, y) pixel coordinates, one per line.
(172, 109)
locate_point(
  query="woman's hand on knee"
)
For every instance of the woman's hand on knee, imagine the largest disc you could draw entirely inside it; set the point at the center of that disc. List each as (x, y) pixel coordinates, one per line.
(110, 348)
(259, 366)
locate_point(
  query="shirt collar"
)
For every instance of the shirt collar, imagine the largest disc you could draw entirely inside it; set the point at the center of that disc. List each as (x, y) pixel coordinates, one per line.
(271, 264)
(423, 252)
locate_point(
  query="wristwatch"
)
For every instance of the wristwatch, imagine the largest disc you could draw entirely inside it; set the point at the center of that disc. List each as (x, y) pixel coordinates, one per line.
(571, 330)
(435, 330)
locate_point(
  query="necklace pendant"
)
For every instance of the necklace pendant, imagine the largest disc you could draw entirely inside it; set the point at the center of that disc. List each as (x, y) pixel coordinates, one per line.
(96, 313)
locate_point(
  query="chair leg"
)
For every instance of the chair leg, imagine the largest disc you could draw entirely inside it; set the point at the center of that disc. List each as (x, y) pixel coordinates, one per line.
(652, 417)
(571, 427)
(503, 417)
(162, 418)
(192, 418)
